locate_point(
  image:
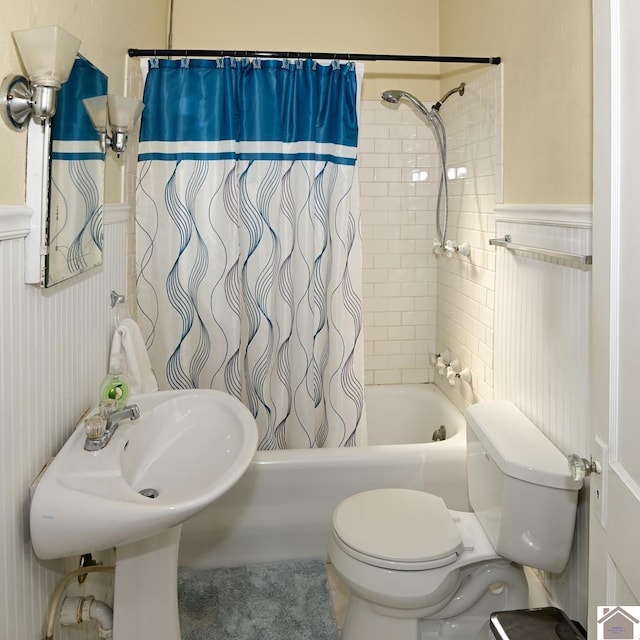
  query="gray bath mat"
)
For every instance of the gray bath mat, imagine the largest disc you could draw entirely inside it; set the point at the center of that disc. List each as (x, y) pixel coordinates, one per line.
(287, 600)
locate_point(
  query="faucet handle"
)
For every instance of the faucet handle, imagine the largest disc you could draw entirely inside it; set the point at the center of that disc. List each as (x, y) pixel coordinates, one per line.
(94, 427)
(107, 407)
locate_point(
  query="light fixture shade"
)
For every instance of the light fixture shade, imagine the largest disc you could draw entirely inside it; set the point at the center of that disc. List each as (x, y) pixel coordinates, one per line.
(47, 54)
(123, 111)
(97, 110)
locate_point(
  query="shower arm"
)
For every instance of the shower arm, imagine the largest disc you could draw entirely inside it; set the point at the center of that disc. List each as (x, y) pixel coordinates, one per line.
(459, 90)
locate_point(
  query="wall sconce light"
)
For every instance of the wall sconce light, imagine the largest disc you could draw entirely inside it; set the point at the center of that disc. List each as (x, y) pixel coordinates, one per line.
(113, 116)
(47, 55)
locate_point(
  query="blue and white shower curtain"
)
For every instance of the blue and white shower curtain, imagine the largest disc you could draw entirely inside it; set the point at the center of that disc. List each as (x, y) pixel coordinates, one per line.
(76, 189)
(248, 241)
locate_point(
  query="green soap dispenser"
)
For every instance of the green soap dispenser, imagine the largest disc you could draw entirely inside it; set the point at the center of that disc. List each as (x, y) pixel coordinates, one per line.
(115, 387)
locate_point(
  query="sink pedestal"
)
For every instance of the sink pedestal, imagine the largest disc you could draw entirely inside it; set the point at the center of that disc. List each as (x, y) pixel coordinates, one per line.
(145, 603)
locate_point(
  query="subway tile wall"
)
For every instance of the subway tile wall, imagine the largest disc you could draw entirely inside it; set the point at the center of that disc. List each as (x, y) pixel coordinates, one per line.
(417, 303)
(396, 156)
(466, 285)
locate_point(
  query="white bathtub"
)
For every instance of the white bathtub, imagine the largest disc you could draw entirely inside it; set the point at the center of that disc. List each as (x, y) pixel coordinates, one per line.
(282, 507)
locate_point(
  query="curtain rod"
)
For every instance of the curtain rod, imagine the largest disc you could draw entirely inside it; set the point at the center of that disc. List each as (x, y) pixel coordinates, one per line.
(221, 53)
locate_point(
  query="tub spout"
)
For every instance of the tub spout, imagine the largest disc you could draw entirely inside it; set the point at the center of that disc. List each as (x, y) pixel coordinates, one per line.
(440, 434)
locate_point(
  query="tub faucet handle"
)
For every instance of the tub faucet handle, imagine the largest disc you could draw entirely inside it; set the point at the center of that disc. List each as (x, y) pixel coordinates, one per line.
(442, 361)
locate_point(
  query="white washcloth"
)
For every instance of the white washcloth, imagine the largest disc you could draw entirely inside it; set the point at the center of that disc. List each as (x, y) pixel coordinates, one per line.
(129, 354)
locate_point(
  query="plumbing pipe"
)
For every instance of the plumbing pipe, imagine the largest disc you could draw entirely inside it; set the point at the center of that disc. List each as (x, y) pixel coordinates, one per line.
(79, 609)
(60, 589)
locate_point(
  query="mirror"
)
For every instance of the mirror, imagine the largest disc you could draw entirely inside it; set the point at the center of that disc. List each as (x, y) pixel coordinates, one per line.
(73, 232)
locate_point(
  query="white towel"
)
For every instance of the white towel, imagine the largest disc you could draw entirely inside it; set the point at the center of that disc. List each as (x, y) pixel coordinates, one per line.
(129, 354)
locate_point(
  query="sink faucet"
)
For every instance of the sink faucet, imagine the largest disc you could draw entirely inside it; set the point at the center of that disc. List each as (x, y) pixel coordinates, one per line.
(99, 439)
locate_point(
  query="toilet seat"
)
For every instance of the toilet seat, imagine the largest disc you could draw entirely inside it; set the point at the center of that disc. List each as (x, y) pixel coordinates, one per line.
(399, 529)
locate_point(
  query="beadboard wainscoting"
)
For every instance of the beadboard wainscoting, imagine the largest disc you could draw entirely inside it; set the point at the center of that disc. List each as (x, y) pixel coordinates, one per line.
(54, 346)
(542, 358)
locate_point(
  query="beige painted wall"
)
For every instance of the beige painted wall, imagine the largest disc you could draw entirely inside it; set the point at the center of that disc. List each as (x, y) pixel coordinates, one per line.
(107, 30)
(355, 26)
(545, 45)
(546, 50)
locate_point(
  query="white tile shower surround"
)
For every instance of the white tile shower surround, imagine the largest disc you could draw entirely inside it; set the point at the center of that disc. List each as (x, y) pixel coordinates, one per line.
(408, 291)
(53, 347)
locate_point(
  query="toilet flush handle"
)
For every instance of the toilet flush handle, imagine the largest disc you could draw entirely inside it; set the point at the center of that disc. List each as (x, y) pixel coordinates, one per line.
(580, 467)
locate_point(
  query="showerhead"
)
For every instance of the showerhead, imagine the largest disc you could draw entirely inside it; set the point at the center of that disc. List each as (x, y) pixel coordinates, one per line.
(394, 96)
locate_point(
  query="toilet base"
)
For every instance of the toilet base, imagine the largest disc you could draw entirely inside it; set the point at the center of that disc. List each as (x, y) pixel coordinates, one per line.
(467, 613)
(363, 622)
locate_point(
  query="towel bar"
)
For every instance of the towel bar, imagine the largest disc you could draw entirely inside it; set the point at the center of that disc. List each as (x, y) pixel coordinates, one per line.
(551, 253)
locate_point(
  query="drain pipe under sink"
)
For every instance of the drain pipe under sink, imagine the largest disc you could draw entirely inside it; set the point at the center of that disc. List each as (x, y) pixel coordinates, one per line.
(78, 609)
(96, 609)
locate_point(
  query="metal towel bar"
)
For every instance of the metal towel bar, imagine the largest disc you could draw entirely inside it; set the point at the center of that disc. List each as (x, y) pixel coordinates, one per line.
(512, 246)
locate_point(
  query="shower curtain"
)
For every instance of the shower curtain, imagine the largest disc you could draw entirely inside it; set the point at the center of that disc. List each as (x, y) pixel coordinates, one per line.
(76, 188)
(248, 241)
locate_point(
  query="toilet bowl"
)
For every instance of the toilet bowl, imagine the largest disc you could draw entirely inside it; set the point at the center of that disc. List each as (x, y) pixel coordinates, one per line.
(417, 570)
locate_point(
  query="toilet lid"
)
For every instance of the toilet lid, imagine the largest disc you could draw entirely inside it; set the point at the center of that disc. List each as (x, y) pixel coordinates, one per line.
(397, 528)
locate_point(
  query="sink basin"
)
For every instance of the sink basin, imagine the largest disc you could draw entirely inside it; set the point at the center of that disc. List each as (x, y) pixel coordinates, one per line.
(185, 450)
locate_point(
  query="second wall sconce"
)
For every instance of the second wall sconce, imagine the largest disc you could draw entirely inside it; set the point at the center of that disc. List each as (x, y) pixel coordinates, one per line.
(47, 55)
(113, 116)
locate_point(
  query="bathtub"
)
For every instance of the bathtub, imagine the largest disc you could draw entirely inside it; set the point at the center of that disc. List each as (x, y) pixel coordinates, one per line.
(282, 507)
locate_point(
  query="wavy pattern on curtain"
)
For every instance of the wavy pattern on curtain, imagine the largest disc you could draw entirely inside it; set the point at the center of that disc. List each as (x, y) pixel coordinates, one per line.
(248, 241)
(76, 177)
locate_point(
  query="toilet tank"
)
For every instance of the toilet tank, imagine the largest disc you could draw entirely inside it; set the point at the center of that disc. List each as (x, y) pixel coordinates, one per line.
(520, 487)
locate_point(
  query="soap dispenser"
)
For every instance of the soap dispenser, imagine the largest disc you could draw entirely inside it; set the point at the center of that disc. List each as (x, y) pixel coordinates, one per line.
(115, 387)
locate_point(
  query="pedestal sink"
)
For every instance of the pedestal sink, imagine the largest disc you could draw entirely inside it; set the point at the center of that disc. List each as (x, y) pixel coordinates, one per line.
(185, 450)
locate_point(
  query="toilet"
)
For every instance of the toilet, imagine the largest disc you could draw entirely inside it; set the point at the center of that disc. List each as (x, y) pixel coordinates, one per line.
(419, 571)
